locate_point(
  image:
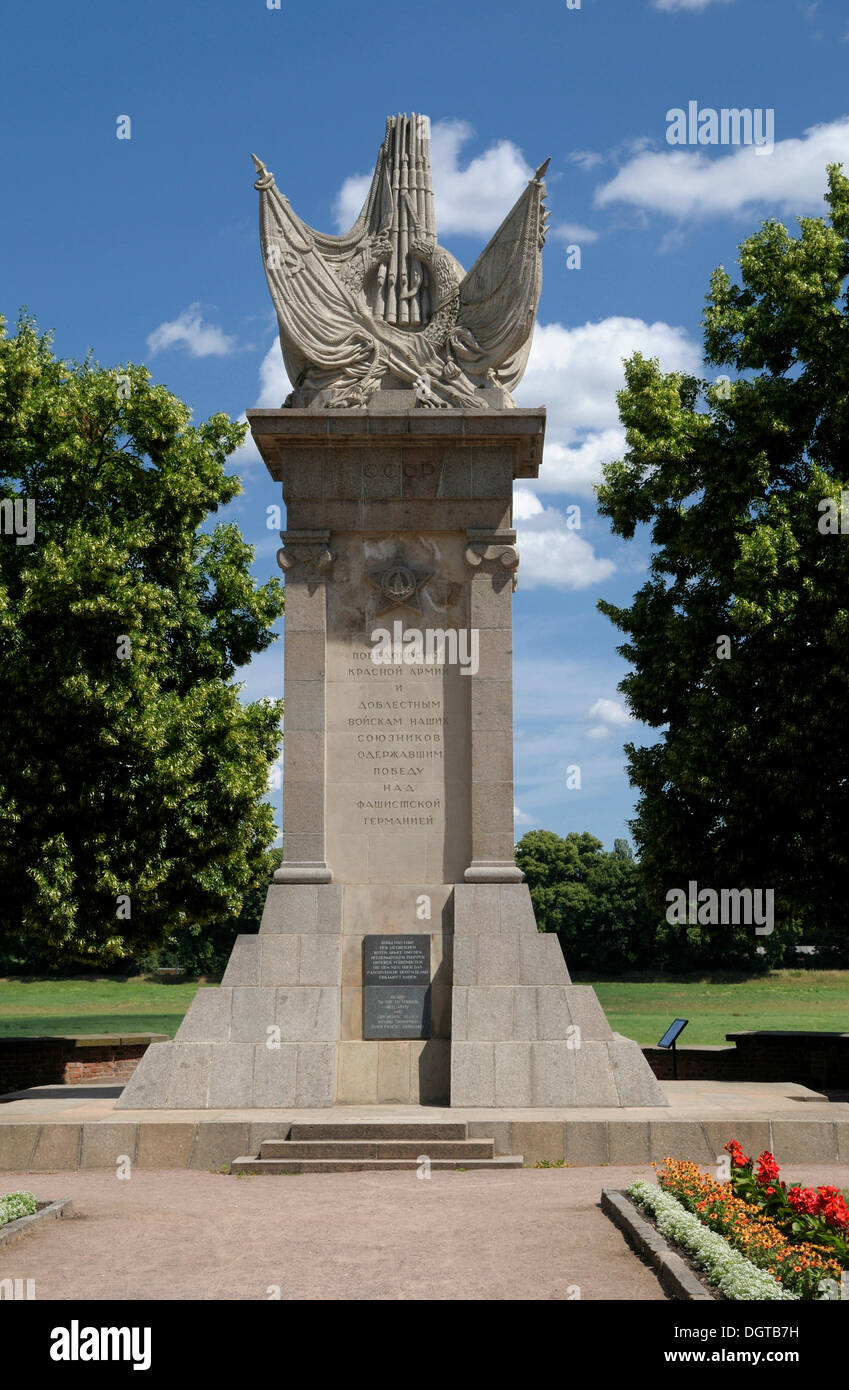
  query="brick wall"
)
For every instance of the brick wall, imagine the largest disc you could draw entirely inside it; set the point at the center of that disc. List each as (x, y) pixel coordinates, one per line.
(817, 1060)
(696, 1063)
(71, 1060)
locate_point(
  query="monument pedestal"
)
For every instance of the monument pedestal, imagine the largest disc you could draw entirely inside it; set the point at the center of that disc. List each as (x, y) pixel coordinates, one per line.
(521, 1033)
(400, 563)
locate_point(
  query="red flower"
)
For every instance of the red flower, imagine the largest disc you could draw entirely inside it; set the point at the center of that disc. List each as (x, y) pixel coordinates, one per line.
(804, 1199)
(767, 1168)
(826, 1202)
(833, 1208)
(738, 1158)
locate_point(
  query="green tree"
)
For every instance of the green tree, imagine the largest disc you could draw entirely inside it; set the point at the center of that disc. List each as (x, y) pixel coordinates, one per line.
(132, 775)
(552, 865)
(205, 950)
(594, 900)
(739, 640)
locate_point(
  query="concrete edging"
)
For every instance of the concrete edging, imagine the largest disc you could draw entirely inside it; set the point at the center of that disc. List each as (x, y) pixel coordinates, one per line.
(13, 1230)
(672, 1270)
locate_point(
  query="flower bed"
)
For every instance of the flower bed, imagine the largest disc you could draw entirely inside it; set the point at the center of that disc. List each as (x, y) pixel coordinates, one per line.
(797, 1236)
(16, 1205)
(731, 1272)
(815, 1214)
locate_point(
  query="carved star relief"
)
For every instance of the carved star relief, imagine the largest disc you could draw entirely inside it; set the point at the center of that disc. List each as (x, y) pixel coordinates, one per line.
(399, 584)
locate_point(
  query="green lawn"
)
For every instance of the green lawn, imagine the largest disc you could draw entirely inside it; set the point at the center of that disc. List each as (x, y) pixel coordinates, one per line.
(33, 1007)
(641, 1009)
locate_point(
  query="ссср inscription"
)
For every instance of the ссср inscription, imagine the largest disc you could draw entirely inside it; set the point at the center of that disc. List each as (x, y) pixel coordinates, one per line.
(396, 980)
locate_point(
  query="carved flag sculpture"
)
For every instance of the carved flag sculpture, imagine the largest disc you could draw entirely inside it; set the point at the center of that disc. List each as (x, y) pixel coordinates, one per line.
(386, 307)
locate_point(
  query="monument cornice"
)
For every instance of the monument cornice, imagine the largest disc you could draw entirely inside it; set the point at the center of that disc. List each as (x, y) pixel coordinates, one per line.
(276, 431)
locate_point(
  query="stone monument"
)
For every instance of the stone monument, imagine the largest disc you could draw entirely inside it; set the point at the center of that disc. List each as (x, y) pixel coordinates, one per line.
(398, 959)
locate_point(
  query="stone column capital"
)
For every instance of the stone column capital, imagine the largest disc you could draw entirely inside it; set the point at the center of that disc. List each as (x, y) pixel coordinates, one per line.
(307, 549)
(496, 548)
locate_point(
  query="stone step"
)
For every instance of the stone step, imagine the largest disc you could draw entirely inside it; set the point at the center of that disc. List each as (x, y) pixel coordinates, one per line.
(284, 1149)
(365, 1165)
(393, 1129)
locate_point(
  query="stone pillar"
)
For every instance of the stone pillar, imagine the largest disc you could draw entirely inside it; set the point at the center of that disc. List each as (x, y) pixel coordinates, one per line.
(397, 517)
(305, 560)
(493, 560)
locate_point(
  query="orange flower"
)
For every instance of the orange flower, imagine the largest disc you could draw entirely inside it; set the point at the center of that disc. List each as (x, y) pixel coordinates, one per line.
(749, 1229)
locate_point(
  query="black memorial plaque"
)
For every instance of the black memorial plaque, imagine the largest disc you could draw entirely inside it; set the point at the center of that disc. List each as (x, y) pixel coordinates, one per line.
(396, 960)
(396, 993)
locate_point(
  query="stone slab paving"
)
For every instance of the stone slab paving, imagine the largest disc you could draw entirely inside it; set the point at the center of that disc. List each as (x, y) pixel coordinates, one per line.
(68, 1127)
(752, 1099)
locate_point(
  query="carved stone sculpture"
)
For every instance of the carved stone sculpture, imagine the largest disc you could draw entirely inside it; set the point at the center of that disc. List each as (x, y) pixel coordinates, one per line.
(385, 308)
(400, 560)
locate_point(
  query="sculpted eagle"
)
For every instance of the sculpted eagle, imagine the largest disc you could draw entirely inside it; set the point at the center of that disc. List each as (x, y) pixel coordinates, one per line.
(386, 308)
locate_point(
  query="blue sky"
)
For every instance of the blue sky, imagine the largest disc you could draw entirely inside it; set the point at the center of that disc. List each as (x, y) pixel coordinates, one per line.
(146, 249)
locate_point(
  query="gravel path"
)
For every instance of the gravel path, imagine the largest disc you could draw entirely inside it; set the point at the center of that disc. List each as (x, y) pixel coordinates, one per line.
(528, 1234)
(523, 1234)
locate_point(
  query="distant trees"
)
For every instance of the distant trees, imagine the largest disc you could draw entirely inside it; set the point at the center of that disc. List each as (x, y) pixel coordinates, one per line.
(595, 900)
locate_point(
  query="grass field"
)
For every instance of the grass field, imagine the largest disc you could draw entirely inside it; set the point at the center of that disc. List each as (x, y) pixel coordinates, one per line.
(641, 1009)
(804, 999)
(29, 1008)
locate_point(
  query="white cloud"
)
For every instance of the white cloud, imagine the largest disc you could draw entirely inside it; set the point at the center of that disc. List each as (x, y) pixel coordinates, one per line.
(525, 505)
(473, 201)
(690, 184)
(519, 817)
(189, 331)
(274, 387)
(610, 712)
(576, 232)
(553, 695)
(586, 159)
(274, 384)
(577, 468)
(576, 372)
(630, 146)
(672, 240)
(550, 553)
(672, 5)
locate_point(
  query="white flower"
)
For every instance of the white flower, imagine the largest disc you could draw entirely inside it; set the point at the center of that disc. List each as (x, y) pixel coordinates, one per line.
(15, 1205)
(731, 1272)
